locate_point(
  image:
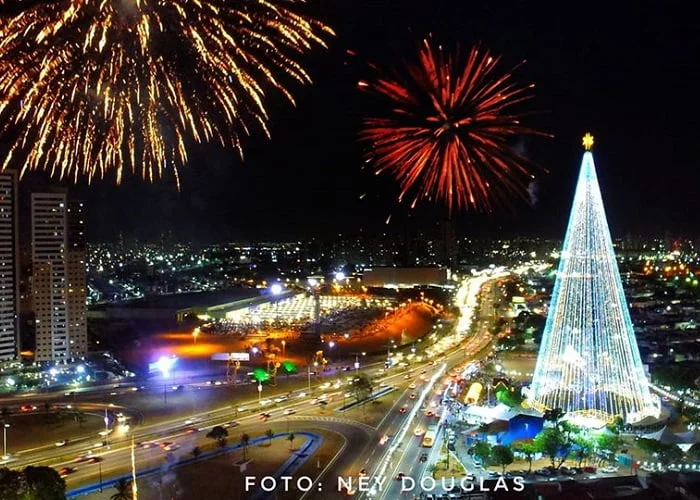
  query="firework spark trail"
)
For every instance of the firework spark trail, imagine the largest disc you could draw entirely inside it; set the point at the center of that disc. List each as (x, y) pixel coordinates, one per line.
(445, 128)
(89, 87)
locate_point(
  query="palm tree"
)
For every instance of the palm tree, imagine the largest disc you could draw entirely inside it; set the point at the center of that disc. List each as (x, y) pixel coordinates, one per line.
(245, 439)
(124, 491)
(432, 468)
(290, 438)
(270, 434)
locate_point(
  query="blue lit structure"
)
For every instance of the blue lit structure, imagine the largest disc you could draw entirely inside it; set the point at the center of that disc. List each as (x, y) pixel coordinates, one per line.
(589, 364)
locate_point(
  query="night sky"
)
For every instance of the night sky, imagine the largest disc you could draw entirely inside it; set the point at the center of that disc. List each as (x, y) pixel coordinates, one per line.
(627, 75)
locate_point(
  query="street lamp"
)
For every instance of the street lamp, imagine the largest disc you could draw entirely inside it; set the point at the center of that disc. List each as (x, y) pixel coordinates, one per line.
(5, 456)
(165, 365)
(259, 393)
(195, 334)
(308, 368)
(284, 343)
(276, 290)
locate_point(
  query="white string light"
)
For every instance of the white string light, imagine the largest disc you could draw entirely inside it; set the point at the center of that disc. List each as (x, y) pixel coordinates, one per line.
(589, 364)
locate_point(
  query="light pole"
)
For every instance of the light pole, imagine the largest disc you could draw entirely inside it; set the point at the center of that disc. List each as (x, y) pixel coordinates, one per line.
(106, 419)
(308, 369)
(284, 344)
(99, 464)
(5, 456)
(165, 365)
(259, 393)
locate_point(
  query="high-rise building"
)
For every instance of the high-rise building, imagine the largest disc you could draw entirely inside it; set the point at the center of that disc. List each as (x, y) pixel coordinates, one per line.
(589, 364)
(56, 287)
(448, 247)
(77, 278)
(9, 269)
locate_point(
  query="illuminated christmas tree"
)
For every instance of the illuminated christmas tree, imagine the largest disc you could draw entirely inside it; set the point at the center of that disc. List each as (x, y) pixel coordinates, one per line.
(589, 364)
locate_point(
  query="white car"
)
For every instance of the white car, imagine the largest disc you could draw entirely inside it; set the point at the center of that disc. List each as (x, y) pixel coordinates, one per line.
(412, 386)
(326, 385)
(289, 412)
(61, 443)
(609, 470)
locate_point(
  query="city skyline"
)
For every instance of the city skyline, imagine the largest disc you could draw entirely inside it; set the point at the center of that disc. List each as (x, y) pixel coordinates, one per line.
(308, 180)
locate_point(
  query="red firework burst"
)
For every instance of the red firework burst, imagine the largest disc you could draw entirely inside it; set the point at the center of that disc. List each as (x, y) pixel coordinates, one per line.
(445, 128)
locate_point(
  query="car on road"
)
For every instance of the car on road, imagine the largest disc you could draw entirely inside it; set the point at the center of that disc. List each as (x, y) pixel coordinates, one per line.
(27, 408)
(145, 446)
(165, 444)
(281, 399)
(406, 376)
(418, 432)
(229, 424)
(171, 447)
(64, 471)
(94, 460)
(62, 442)
(429, 414)
(384, 439)
(403, 409)
(412, 386)
(412, 396)
(326, 385)
(609, 470)
(423, 457)
(190, 430)
(83, 457)
(264, 416)
(400, 476)
(289, 411)
(363, 472)
(383, 384)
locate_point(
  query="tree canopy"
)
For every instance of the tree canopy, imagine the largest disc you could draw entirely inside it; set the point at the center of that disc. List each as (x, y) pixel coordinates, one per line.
(32, 483)
(501, 455)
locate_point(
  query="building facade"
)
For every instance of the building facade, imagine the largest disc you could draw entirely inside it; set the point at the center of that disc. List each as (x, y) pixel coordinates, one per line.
(77, 278)
(57, 284)
(9, 270)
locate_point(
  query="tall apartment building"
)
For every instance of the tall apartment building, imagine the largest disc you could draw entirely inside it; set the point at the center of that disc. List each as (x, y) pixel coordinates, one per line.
(77, 278)
(56, 286)
(9, 270)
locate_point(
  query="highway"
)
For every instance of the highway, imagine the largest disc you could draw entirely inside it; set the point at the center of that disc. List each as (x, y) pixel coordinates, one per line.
(384, 450)
(401, 454)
